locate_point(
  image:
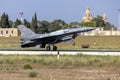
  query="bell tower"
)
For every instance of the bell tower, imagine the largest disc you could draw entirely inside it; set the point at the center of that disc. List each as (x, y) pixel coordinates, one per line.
(105, 18)
(88, 16)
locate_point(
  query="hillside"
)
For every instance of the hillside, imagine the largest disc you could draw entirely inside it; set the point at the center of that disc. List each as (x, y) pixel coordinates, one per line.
(94, 42)
(97, 42)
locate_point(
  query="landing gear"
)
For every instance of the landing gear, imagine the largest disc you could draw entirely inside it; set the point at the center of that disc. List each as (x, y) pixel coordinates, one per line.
(48, 48)
(54, 48)
(73, 42)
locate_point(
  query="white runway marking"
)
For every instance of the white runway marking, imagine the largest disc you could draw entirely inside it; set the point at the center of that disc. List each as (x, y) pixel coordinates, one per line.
(103, 53)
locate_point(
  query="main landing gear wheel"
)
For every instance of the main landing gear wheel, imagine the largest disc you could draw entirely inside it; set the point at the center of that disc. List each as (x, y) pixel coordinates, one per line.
(48, 48)
(54, 48)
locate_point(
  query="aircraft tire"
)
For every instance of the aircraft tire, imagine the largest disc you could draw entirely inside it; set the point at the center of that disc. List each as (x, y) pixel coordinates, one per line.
(54, 48)
(48, 48)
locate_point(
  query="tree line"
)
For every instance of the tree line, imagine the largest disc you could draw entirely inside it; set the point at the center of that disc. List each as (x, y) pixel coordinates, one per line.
(46, 26)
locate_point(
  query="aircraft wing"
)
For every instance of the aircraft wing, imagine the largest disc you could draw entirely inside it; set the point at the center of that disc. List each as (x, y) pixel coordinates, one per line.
(61, 33)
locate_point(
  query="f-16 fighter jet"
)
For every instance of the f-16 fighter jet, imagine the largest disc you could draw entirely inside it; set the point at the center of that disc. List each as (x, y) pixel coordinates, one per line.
(31, 39)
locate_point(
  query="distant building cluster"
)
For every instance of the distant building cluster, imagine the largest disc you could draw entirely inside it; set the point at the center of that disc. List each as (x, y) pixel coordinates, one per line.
(88, 16)
(100, 31)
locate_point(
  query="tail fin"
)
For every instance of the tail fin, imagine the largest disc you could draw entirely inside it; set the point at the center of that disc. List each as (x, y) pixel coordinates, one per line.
(25, 32)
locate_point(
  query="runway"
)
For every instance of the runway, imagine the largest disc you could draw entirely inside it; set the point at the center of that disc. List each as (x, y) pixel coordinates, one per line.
(62, 52)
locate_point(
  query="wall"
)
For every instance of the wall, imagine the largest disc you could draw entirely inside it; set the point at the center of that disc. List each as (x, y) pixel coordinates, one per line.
(101, 32)
(8, 32)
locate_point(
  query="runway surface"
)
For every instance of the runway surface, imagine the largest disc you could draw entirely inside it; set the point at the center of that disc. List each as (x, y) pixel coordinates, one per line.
(61, 52)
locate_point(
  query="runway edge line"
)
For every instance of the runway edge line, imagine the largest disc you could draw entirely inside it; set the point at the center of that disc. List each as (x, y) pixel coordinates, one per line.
(60, 52)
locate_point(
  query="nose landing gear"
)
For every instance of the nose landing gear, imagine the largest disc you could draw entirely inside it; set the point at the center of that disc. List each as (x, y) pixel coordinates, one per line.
(48, 48)
(54, 48)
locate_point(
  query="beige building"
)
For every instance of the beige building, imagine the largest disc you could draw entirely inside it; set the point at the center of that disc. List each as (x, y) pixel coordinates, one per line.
(105, 18)
(8, 32)
(87, 16)
(101, 32)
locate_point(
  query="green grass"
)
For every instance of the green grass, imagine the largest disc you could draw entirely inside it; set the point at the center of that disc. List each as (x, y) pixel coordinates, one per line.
(33, 74)
(73, 66)
(29, 62)
(27, 66)
(8, 68)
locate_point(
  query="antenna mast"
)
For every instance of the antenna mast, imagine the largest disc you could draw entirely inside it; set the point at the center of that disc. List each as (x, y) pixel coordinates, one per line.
(21, 17)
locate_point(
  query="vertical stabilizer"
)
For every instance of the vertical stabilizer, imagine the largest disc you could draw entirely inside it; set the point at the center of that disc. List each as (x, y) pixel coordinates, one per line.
(25, 32)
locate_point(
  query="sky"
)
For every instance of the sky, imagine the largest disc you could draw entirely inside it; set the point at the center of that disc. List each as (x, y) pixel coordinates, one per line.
(67, 10)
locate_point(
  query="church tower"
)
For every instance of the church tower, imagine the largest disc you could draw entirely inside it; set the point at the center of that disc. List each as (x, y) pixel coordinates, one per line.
(88, 16)
(105, 18)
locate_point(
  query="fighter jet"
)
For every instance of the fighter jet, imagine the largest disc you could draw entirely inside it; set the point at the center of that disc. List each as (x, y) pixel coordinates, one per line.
(31, 39)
